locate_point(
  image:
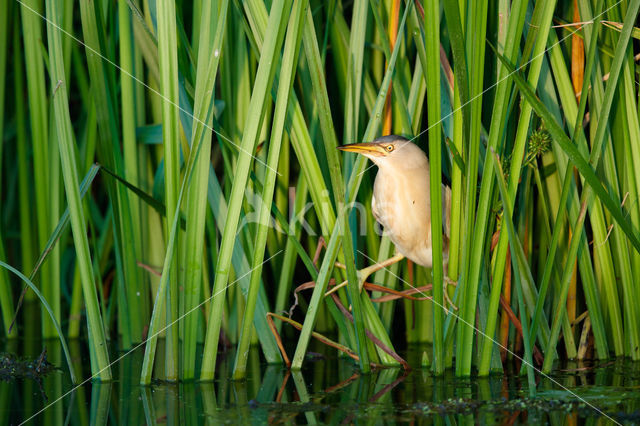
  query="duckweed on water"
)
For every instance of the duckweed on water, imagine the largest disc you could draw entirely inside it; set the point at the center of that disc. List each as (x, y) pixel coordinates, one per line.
(12, 367)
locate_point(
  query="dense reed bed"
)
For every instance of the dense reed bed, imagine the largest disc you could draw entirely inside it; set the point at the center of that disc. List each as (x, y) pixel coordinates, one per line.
(169, 171)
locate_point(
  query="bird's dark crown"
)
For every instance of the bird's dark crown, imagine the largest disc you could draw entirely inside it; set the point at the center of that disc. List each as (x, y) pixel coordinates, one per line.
(390, 139)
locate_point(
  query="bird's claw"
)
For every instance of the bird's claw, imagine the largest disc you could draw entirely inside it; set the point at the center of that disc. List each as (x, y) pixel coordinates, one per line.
(447, 282)
(362, 275)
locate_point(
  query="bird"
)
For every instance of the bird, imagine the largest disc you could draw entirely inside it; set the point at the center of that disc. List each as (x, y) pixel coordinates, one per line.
(401, 201)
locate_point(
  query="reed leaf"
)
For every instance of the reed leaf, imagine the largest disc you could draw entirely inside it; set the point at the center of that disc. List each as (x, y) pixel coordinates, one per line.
(540, 26)
(110, 154)
(287, 69)
(210, 40)
(520, 265)
(352, 188)
(39, 117)
(432, 77)
(49, 311)
(168, 62)
(156, 326)
(585, 169)
(100, 366)
(264, 79)
(469, 300)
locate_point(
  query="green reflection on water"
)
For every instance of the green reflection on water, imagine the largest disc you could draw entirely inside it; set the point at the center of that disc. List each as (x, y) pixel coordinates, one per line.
(328, 391)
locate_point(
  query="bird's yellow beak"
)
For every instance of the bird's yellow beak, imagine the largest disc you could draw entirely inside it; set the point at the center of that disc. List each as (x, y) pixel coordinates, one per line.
(365, 148)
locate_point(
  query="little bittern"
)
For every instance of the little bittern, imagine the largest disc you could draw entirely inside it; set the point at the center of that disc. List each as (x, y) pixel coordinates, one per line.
(401, 201)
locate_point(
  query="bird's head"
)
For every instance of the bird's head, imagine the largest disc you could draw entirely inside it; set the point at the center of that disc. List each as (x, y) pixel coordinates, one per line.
(388, 150)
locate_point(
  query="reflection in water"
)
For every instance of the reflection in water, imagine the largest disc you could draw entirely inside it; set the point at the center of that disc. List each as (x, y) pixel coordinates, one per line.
(329, 391)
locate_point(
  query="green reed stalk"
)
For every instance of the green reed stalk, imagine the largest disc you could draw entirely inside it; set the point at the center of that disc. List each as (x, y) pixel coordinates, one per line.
(239, 261)
(455, 21)
(39, 116)
(520, 269)
(210, 40)
(56, 195)
(540, 26)
(76, 305)
(263, 82)
(125, 231)
(330, 143)
(168, 64)
(352, 189)
(156, 325)
(599, 229)
(110, 154)
(4, 34)
(97, 339)
(631, 153)
(595, 187)
(290, 254)
(355, 70)
(475, 48)
(24, 191)
(287, 72)
(339, 36)
(130, 150)
(158, 317)
(620, 249)
(432, 76)
(6, 300)
(602, 247)
(500, 107)
(584, 260)
(301, 142)
(369, 315)
(560, 308)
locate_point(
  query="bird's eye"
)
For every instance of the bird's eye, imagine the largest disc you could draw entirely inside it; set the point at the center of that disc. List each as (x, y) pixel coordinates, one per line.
(389, 148)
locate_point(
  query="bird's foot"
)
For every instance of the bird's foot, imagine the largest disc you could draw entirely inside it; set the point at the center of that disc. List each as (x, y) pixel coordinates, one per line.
(361, 274)
(364, 273)
(447, 282)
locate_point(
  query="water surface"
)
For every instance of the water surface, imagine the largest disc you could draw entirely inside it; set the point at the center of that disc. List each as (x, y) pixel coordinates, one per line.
(329, 390)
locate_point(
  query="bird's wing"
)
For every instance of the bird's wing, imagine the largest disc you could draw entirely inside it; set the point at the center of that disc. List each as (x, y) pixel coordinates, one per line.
(446, 209)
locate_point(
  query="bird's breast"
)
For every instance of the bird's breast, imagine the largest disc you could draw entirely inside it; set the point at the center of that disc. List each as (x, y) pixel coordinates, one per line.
(401, 205)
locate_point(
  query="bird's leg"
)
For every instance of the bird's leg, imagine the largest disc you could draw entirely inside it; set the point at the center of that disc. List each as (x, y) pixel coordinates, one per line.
(364, 273)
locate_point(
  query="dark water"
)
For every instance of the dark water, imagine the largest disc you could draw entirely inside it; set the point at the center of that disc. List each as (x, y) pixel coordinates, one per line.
(328, 391)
